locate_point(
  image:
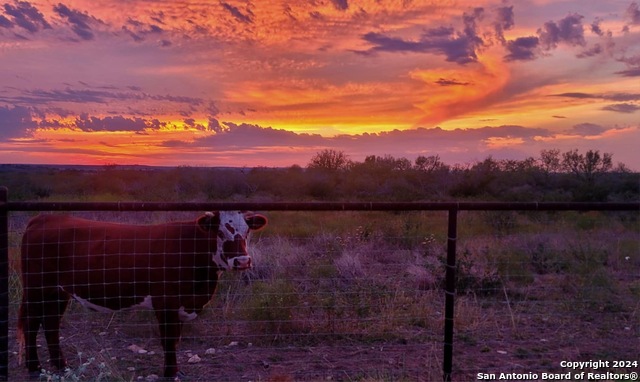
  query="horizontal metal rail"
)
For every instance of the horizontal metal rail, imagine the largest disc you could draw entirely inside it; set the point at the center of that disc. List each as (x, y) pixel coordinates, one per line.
(319, 206)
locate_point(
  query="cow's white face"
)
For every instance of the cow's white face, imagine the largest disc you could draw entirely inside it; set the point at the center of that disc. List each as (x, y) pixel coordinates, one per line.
(233, 228)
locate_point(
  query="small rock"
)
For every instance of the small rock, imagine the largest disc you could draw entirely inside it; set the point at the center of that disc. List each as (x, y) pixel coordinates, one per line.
(210, 351)
(194, 359)
(131, 368)
(136, 349)
(233, 343)
(501, 352)
(152, 377)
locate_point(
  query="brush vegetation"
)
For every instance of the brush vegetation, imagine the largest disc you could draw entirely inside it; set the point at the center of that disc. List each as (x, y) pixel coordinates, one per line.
(330, 175)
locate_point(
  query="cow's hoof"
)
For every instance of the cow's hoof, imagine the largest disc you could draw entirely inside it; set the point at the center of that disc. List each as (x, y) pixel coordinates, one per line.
(34, 375)
(180, 377)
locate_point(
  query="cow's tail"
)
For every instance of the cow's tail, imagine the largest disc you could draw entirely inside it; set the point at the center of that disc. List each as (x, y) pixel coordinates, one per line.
(20, 335)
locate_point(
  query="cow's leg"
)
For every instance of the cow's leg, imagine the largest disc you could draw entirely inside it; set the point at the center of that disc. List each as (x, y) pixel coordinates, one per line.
(170, 328)
(53, 310)
(30, 318)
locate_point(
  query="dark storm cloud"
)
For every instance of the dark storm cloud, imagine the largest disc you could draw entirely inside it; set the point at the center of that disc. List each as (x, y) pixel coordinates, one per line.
(633, 72)
(136, 37)
(247, 136)
(522, 49)
(575, 95)
(159, 17)
(622, 108)
(617, 97)
(450, 82)
(461, 46)
(5, 22)
(215, 125)
(463, 49)
(633, 13)
(78, 21)
(212, 125)
(586, 129)
(470, 21)
(116, 123)
(15, 122)
(456, 46)
(595, 50)
(43, 97)
(26, 16)
(568, 30)
(383, 43)
(40, 96)
(439, 32)
(237, 14)
(139, 31)
(504, 21)
(595, 27)
(341, 5)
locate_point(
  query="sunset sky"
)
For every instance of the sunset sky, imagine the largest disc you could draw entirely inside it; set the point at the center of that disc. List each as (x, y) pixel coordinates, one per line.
(270, 83)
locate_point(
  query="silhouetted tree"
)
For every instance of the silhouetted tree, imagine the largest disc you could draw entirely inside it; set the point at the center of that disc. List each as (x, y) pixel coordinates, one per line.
(429, 164)
(330, 160)
(550, 161)
(587, 166)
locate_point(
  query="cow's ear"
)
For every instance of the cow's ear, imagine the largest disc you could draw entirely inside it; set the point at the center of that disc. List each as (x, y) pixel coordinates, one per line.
(256, 221)
(210, 221)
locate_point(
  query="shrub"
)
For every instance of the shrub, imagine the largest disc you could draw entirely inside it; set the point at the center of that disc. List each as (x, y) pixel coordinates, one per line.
(270, 310)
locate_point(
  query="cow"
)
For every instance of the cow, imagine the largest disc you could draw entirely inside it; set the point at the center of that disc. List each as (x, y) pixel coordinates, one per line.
(171, 268)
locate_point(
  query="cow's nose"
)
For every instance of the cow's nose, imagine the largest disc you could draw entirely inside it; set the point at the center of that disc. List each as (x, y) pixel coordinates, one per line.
(242, 263)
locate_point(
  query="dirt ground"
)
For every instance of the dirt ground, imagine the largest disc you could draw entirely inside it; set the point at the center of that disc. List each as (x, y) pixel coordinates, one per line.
(134, 353)
(525, 341)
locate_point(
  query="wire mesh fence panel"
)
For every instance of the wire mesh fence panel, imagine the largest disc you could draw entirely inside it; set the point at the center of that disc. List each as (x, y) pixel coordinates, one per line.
(536, 291)
(329, 296)
(359, 296)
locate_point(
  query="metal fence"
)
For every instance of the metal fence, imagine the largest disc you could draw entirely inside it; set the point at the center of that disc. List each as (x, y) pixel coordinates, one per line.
(452, 208)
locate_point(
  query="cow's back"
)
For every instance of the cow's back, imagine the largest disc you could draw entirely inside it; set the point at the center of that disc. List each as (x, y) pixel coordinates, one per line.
(111, 263)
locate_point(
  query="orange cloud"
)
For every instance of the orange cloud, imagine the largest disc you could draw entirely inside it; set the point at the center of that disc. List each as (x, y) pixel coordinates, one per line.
(459, 91)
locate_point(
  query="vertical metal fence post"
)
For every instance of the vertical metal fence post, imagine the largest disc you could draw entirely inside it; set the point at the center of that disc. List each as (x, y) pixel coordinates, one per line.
(4, 287)
(450, 291)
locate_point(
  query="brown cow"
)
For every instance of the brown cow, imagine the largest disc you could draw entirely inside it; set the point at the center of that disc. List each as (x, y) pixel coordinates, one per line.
(171, 268)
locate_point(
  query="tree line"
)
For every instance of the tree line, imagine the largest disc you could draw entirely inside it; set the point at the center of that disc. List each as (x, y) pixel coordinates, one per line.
(553, 176)
(332, 175)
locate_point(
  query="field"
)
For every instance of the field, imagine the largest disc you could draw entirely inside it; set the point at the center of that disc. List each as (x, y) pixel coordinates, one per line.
(358, 296)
